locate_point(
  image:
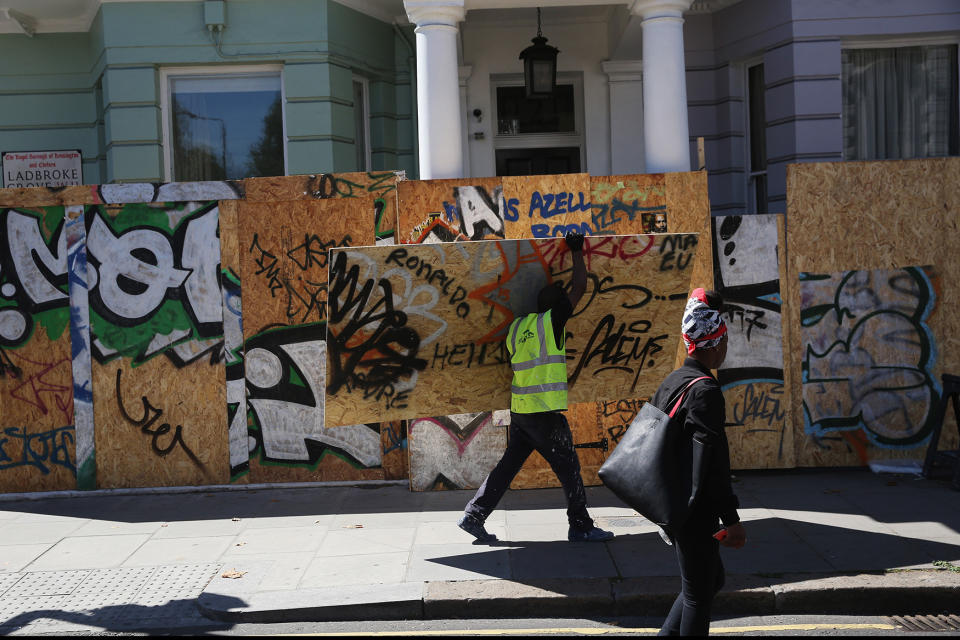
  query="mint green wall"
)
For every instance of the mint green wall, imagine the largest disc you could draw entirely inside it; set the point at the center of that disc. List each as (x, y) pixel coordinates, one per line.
(100, 91)
(46, 98)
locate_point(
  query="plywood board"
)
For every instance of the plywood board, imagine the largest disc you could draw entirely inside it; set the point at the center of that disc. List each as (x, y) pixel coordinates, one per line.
(37, 436)
(379, 186)
(284, 251)
(456, 451)
(869, 216)
(156, 319)
(747, 271)
(546, 206)
(231, 288)
(283, 248)
(418, 330)
(121, 193)
(867, 363)
(450, 210)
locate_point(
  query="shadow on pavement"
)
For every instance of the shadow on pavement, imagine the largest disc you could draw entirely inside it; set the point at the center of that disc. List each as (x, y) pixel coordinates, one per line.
(173, 618)
(832, 491)
(779, 550)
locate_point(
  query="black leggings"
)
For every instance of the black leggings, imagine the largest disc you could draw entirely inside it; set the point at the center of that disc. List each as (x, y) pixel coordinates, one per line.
(701, 575)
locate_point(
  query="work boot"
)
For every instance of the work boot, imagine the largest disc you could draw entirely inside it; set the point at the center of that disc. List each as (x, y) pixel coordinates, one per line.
(593, 534)
(475, 528)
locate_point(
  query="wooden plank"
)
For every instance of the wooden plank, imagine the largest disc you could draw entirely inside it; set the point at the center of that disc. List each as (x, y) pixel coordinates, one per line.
(37, 450)
(156, 319)
(407, 324)
(870, 217)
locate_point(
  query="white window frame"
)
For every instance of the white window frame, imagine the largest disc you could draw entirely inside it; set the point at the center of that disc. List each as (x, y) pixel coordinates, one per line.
(166, 73)
(576, 138)
(749, 192)
(895, 42)
(368, 146)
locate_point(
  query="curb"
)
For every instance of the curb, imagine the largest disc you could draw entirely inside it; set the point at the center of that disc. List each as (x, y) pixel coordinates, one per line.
(898, 593)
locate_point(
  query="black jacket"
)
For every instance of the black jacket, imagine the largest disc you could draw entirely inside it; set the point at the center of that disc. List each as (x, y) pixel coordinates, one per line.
(703, 414)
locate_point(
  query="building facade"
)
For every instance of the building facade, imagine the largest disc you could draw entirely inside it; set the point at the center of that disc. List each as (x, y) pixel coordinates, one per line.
(165, 90)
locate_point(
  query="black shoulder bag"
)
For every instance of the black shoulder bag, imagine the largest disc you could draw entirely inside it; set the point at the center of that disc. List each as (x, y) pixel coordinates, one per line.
(652, 469)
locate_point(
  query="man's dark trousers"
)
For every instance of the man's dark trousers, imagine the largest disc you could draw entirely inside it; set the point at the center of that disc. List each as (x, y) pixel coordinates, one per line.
(548, 433)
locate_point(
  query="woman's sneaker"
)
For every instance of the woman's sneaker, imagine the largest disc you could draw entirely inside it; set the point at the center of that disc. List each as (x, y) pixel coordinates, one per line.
(475, 528)
(593, 534)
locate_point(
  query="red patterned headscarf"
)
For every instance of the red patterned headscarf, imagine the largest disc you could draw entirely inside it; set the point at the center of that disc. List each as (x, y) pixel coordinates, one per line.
(702, 326)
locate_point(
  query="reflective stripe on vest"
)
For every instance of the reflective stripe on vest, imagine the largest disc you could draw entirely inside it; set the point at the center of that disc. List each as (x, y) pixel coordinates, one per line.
(539, 365)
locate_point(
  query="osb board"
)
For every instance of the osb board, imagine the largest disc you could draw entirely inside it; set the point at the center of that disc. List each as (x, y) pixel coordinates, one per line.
(156, 319)
(381, 186)
(283, 248)
(284, 251)
(450, 210)
(407, 324)
(157, 425)
(37, 438)
(904, 213)
(334, 464)
(545, 206)
(122, 193)
(868, 355)
(233, 341)
(748, 275)
(456, 451)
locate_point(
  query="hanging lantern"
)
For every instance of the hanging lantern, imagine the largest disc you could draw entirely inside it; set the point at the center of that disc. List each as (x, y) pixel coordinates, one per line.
(539, 66)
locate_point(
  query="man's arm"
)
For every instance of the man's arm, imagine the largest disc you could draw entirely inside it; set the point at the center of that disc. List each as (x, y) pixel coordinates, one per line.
(578, 282)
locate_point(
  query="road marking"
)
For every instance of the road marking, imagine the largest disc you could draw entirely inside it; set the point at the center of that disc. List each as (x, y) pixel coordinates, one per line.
(599, 631)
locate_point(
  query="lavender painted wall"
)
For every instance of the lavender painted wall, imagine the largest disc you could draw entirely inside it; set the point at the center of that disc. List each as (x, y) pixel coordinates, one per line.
(799, 43)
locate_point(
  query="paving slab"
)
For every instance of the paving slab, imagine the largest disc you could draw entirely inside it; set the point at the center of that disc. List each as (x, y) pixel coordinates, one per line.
(178, 551)
(444, 562)
(516, 598)
(89, 552)
(14, 557)
(375, 568)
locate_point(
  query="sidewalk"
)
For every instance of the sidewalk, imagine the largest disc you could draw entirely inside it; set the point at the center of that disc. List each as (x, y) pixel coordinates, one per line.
(819, 541)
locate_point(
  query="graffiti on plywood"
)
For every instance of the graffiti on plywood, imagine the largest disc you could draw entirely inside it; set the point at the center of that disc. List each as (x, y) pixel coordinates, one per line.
(157, 341)
(456, 451)
(37, 433)
(868, 358)
(747, 275)
(406, 321)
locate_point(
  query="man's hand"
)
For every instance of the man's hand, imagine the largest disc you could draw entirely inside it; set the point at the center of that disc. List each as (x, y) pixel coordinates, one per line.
(574, 240)
(736, 536)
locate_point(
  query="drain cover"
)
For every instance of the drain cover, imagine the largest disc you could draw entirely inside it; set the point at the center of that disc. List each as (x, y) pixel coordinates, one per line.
(928, 623)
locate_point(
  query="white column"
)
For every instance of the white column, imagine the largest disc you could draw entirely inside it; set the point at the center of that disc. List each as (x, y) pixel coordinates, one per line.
(438, 86)
(625, 79)
(665, 127)
(464, 77)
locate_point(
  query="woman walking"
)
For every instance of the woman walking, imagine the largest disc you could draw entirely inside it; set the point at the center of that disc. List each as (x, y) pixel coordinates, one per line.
(702, 415)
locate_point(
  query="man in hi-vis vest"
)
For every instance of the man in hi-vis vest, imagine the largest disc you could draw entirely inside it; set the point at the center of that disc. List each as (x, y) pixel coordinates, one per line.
(538, 398)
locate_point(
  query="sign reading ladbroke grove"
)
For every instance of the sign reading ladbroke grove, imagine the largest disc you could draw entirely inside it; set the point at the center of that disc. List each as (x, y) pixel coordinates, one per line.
(42, 168)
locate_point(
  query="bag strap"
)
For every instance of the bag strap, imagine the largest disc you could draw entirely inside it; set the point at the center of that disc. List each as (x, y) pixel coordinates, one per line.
(683, 394)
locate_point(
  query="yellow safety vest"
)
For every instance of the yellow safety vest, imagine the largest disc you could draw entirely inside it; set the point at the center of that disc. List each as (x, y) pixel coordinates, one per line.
(539, 365)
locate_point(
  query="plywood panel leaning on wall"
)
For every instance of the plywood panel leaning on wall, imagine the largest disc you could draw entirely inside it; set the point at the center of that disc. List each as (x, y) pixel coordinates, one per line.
(454, 451)
(747, 269)
(156, 322)
(284, 251)
(37, 435)
(419, 330)
(870, 305)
